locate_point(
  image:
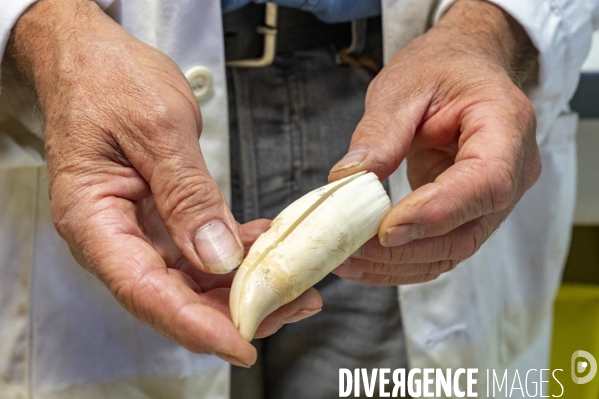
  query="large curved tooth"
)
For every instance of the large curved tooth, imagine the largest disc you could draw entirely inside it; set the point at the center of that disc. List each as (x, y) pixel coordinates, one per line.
(305, 242)
(279, 228)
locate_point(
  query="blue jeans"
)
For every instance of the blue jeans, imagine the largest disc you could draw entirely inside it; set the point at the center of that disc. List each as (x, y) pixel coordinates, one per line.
(290, 123)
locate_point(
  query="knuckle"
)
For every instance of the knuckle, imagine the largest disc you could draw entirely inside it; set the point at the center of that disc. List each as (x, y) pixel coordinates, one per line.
(442, 248)
(159, 118)
(439, 267)
(463, 249)
(499, 187)
(60, 219)
(468, 248)
(401, 254)
(59, 209)
(471, 240)
(66, 213)
(380, 268)
(481, 231)
(526, 115)
(438, 217)
(386, 255)
(190, 193)
(382, 84)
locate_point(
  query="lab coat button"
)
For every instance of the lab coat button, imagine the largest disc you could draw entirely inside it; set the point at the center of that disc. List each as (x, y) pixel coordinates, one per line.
(200, 79)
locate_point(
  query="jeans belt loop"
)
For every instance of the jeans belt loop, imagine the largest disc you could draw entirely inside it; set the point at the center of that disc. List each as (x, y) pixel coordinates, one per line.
(269, 31)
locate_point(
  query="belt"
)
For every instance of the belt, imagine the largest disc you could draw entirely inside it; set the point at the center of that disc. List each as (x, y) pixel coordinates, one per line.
(256, 33)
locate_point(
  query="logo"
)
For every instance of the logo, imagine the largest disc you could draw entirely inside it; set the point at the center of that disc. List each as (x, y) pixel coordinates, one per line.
(579, 366)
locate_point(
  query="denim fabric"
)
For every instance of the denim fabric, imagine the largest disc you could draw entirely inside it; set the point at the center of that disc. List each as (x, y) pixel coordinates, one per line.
(289, 124)
(326, 10)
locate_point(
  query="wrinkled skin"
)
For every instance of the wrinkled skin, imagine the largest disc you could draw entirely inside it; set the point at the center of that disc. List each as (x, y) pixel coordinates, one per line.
(130, 188)
(128, 182)
(449, 106)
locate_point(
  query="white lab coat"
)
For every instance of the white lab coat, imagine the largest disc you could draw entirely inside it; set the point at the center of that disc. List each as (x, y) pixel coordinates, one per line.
(494, 311)
(62, 335)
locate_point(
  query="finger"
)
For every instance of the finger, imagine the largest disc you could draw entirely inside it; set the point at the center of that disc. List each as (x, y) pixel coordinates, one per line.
(387, 279)
(357, 266)
(383, 136)
(306, 305)
(138, 277)
(155, 232)
(459, 244)
(204, 281)
(249, 232)
(185, 279)
(171, 307)
(189, 202)
(488, 176)
(215, 291)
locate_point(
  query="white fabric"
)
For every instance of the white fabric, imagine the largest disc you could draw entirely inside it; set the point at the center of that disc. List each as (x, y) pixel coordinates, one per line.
(495, 310)
(561, 30)
(11, 11)
(63, 336)
(593, 7)
(175, 29)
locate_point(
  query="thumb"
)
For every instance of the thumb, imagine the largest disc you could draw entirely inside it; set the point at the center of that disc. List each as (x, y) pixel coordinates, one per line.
(383, 136)
(194, 210)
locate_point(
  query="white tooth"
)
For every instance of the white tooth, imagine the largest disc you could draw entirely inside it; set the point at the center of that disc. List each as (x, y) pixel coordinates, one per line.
(309, 239)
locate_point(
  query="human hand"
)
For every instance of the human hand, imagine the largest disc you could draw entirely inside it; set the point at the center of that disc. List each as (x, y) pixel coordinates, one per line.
(130, 191)
(448, 104)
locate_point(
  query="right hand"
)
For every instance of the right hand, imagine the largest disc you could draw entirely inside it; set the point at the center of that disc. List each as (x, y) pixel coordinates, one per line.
(130, 190)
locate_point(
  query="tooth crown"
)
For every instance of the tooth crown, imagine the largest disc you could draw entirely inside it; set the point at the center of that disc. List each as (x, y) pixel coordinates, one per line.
(309, 239)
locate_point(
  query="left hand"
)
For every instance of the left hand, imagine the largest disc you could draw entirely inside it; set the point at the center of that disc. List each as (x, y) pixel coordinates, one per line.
(446, 103)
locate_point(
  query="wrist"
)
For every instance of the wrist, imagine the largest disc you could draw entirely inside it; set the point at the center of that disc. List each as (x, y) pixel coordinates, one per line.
(478, 25)
(41, 43)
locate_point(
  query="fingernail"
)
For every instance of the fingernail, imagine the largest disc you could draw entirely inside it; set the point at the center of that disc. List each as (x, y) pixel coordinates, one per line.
(232, 360)
(400, 235)
(359, 253)
(302, 314)
(218, 248)
(351, 159)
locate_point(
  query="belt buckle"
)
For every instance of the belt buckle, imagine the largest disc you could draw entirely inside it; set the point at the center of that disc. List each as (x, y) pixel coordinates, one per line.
(269, 31)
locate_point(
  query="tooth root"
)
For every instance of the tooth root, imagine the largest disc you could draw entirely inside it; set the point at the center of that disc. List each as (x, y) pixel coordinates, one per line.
(306, 242)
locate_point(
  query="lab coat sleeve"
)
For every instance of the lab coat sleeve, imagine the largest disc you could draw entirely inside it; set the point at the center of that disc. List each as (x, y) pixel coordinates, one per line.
(593, 6)
(12, 11)
(561, 30)
(16, 98)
